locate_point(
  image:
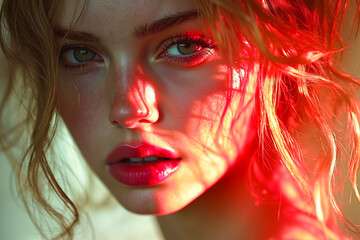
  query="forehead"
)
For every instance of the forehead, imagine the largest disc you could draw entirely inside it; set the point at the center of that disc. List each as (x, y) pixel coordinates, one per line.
(124, 13)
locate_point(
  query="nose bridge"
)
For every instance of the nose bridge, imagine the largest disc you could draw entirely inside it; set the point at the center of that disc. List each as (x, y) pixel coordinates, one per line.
(138, 95)
(124, 73)
(134, 101)
(132, 86)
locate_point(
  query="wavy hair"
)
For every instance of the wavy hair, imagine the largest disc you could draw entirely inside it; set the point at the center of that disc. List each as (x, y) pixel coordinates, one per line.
(297, 44)
(31, 49)
(292, 46)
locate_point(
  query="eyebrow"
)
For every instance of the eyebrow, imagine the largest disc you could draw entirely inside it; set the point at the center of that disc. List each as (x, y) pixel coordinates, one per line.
(76, 35)
(165, 23)
(140, 32)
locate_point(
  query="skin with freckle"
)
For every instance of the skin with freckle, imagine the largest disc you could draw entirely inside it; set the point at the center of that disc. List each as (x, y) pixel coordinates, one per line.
(189, 101)
(224, 119)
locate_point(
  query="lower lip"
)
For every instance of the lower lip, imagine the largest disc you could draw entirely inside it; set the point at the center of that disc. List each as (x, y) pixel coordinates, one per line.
(147, 174)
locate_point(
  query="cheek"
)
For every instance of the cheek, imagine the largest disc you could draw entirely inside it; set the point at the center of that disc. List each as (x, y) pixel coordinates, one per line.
(221, 135)
(205, 120)
(186, 92)
(82, 113)
(81, 97)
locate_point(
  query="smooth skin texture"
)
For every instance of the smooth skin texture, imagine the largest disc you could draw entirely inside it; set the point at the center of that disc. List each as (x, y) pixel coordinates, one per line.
(129, 88)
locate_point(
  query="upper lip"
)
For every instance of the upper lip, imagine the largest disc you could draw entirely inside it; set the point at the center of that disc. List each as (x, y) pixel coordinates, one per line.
(139, 151)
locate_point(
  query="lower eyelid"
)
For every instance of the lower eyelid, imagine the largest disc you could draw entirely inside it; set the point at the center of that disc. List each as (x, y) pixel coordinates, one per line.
(82, 67)
(189, 60)
(72, 47)
(79, 67)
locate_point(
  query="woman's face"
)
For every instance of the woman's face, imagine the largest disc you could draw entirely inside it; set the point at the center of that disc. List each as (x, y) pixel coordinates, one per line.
(143, 90)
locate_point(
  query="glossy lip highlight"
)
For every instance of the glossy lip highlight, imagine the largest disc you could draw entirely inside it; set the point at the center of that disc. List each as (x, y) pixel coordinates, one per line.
(141, 173)
(139, 151)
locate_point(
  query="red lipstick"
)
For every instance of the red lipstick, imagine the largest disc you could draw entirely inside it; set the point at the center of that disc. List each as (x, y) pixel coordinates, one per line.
(144, 164)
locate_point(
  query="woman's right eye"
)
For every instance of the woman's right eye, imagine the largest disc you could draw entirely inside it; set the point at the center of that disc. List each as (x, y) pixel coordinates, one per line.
(79, 58)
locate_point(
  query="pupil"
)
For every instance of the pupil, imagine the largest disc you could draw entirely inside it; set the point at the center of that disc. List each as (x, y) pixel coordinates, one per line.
(187, 48)
(83, 55)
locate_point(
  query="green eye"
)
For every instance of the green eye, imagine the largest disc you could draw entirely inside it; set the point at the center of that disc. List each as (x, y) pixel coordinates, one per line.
(79, 58)
(184, 48)
(187, 48)
(83, 55)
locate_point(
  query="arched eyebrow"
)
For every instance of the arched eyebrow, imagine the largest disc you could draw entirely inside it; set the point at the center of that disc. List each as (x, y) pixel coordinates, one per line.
(140, 32)
(165, 23)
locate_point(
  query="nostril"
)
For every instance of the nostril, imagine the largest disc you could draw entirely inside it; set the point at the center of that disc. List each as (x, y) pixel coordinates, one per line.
(144, 121)
(133, 109)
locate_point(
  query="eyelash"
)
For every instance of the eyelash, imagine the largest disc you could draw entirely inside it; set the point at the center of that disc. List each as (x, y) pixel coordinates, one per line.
(80, 67)
(204, 48)
(206, 45)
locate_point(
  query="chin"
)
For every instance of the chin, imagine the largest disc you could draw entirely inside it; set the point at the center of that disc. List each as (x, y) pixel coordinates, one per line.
(153, 207)
(157, 200)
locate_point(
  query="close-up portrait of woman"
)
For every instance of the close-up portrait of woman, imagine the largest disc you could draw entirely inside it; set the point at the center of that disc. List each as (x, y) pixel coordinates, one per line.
(222, 119)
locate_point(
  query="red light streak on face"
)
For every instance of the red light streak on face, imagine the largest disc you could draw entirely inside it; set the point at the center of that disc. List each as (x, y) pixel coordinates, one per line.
(151, 101)
(220, 126)
(141, 106)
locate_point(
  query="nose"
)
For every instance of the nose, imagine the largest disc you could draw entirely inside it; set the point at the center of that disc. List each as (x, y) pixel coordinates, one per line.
(136, 107)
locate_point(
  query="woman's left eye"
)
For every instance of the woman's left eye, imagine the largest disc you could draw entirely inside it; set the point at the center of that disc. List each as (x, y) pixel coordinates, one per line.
(186, 50)
(78, 58)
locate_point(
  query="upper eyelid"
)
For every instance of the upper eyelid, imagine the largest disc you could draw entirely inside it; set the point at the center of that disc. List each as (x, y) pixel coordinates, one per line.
(181, 37)
(165, 44)
(67, 47)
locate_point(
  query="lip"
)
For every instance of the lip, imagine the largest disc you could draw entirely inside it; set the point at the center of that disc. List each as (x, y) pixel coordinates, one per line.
(143, 173)
(138, 151)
